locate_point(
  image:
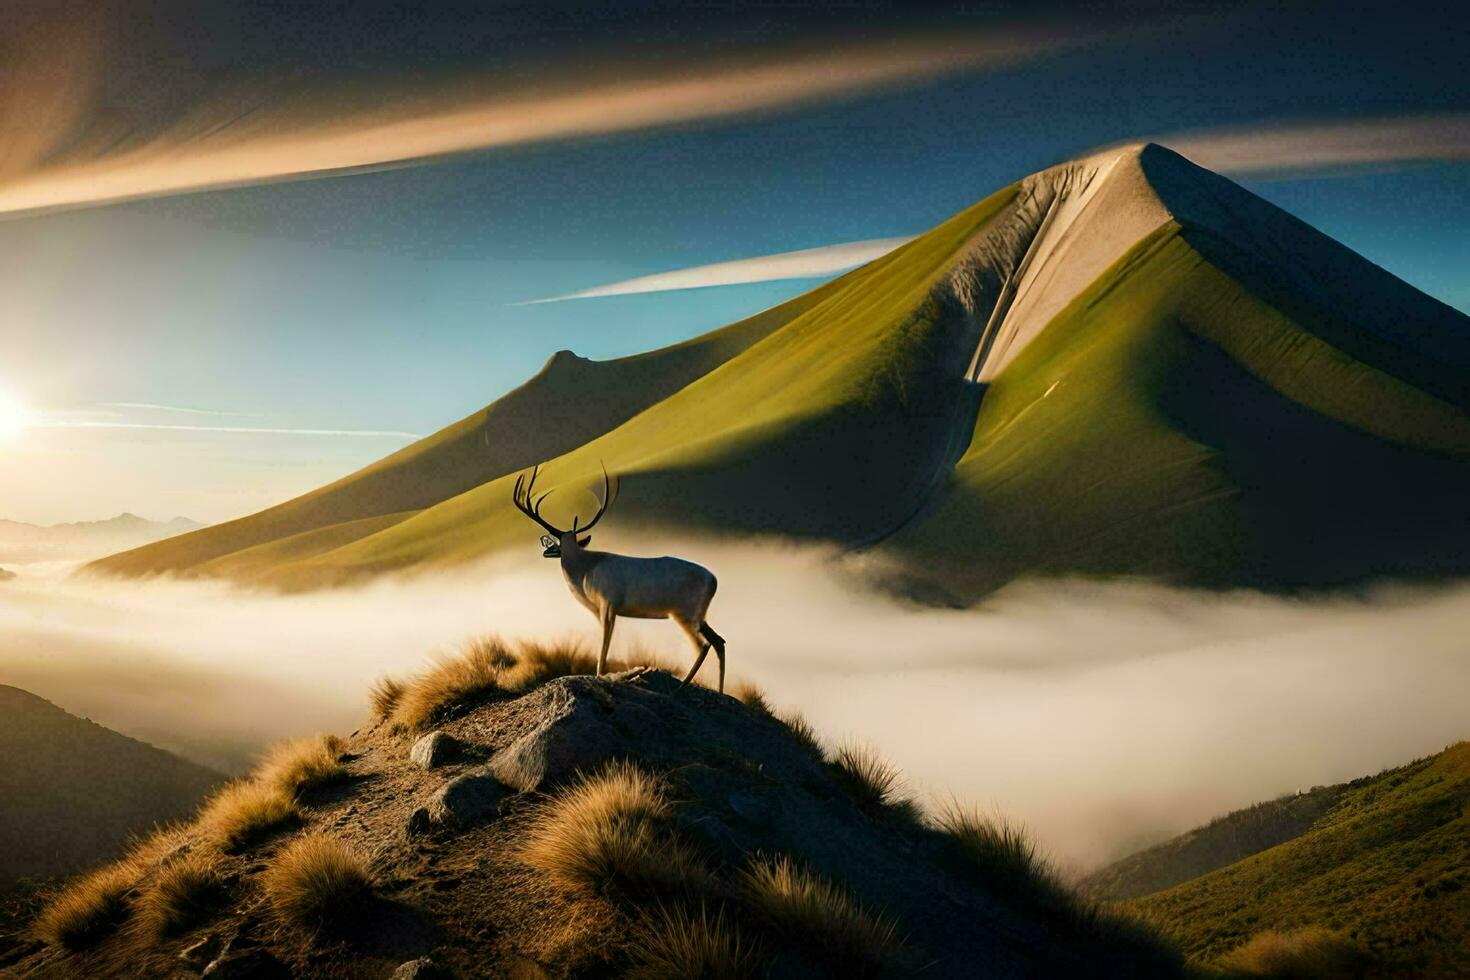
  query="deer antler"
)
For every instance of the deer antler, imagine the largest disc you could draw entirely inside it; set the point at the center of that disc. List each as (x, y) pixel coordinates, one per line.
(521, 497)
(610, 487)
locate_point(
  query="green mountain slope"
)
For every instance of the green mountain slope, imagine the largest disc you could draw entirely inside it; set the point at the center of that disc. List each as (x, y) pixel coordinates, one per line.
(570, 401)
(1121, 365)
(1387, 863)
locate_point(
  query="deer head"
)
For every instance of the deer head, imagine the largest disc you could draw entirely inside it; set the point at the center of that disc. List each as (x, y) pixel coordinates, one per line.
(555, 539)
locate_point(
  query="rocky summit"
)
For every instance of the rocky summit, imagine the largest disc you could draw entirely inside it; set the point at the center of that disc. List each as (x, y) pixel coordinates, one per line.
(578, 826)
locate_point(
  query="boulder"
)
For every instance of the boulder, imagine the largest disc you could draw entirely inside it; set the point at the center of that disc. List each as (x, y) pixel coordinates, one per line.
(422, 968)
(434, 749)
(576, 734)
(464, 801)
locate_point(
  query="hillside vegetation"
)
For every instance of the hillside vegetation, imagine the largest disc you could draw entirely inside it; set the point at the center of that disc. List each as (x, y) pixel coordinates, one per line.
(1385, 869)
(506, 815)
(1120, 365)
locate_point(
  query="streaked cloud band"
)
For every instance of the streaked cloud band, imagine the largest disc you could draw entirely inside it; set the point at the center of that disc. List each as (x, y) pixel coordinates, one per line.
(180, 409)
(1324, 145)
(807, 263)
(256, 430)
(226, 147)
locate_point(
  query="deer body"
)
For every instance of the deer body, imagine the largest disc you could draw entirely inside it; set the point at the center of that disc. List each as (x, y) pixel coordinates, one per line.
(611, 585)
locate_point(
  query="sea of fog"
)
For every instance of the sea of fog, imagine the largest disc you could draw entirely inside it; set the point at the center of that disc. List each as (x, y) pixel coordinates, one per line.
(1103, 716)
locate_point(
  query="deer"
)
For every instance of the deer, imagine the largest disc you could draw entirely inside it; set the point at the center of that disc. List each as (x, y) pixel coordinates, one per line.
(612, 585)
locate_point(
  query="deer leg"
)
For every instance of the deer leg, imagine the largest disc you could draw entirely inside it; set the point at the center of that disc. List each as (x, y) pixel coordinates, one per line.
(718, 642)
(608, 619)
(700, 647)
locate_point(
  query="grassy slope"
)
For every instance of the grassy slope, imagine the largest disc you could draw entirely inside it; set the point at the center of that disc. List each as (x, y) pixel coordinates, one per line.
(827, 427)
(569, 402)
(1222, 841)
(1168, 394)
(1389, 864)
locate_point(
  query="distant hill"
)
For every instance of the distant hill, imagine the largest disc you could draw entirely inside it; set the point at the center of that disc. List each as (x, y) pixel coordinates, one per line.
(1222, 841)
(1123, 364)
(71, 791)
(21, 543)
(1384, 859)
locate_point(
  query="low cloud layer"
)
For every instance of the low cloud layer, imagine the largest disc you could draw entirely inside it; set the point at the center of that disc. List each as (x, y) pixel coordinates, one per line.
(1104, 716)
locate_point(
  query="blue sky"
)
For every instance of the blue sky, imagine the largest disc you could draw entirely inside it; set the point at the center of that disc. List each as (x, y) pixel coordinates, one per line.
(388, 300)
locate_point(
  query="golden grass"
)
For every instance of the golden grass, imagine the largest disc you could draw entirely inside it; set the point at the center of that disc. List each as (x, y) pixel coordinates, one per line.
(1307, 953)
(535, 663)
(816, 915)
(872, 782)
(89, 907)
(750, 695)
(612, 831)
(450, 681)
(675, 943)
(181, 894)
(383, 696)
(316, 881)
(246, 811)
(301, 763)
(485, 666)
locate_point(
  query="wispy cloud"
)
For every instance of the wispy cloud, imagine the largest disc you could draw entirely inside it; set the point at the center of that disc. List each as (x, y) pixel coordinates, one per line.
(805, 263)
(1306, 146)
(179, 409)
(59, 423)
(221, 145)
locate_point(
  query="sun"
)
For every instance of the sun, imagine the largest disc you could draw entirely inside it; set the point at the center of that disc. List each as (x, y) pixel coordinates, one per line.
(14, 415)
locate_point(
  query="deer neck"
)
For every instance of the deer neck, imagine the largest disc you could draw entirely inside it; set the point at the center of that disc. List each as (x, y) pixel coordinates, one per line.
(576, 563)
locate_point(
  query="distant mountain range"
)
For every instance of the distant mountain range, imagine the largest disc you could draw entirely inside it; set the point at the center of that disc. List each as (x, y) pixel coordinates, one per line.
(1121, 365)
(72, 791)
(23, 543)
(1384, 860)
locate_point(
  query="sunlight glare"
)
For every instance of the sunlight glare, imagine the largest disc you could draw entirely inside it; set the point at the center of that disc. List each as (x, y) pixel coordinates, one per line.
(13, 415)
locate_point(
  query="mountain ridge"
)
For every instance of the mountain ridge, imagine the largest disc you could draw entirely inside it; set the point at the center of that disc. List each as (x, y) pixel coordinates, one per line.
(961, 406)
(22, 542)
(74, 790)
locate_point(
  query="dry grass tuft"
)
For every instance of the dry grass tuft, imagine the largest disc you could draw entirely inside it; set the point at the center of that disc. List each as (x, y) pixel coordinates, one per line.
(803, 732)
(244, 812)
(612, 831)
(317, 882)
(536, 663)
(1002, 856)
(89, 907)
(450, 681)
(181, 894)
(675, 943)
(753, 698)
(1299, 954)
(873, 783)
(93, 905)
(1000, 853)
(302, 763)
(486, 665)
(384, 695)
(816, 915)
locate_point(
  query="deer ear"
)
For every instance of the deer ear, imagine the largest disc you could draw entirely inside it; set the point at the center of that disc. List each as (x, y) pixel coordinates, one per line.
(585, 541)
